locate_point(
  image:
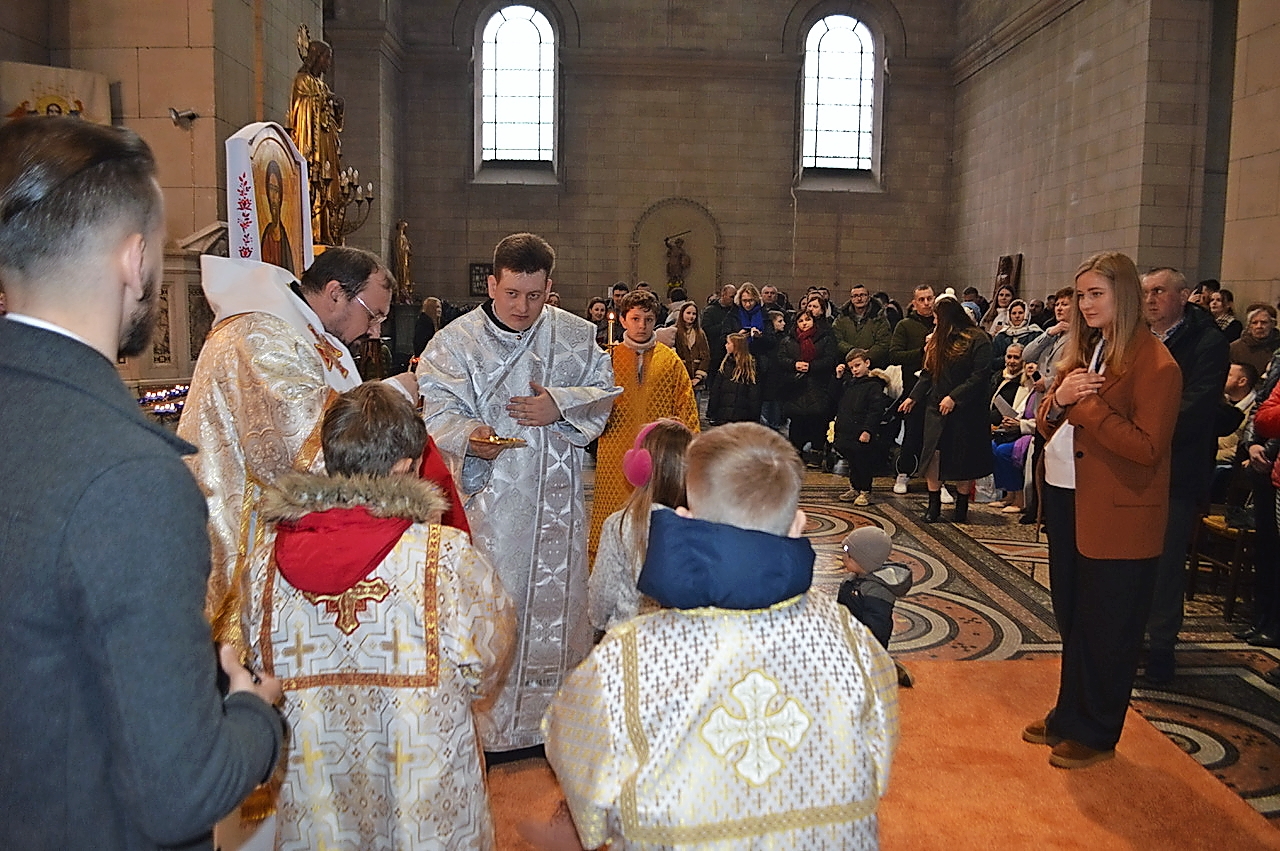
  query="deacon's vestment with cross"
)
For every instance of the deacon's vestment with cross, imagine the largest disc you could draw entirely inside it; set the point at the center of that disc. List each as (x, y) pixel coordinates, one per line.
(527, 506)
(717, 727)
(382, 659)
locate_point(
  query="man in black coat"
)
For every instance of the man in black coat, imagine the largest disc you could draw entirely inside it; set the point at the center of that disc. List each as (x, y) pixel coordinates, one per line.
(713, 326)
(1200, 349)
(906, 348)
(112, 727)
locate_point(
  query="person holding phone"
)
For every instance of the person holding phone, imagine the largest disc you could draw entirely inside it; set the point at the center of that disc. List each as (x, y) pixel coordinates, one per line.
(1108, 422)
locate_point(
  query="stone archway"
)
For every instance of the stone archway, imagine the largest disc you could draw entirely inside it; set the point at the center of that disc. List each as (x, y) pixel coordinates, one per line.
(685, 219)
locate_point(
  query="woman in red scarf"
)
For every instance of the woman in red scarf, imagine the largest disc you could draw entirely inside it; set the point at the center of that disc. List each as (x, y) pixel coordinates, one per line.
(808, 355)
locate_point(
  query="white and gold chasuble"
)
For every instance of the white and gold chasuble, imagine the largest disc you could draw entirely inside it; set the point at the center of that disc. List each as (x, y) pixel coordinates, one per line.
(257, 395)
(379, 686)
(721, 729)
(526, 507)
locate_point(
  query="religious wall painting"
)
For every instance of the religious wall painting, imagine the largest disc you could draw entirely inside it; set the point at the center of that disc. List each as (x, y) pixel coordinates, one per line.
(478, 274)
(27, 90)
(1008, 271)
(267, 198)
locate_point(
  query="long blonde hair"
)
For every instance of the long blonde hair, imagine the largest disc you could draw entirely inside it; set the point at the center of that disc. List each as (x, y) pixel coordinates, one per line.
(744, 363)
(1126, 290)
(666, 443)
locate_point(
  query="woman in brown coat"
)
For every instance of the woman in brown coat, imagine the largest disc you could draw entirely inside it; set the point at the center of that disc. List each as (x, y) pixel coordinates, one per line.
(1108, 421)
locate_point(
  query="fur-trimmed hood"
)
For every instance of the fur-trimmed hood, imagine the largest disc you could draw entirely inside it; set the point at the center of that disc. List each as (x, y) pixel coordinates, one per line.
(334, 531)
(295, 495)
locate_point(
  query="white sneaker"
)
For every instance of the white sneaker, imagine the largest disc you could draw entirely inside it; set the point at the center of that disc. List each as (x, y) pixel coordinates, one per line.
(900, 483)
(947, 498)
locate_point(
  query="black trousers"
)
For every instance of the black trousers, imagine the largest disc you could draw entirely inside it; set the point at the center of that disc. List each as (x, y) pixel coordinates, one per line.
(1266, 570)
(1101, 606)
(862, 458)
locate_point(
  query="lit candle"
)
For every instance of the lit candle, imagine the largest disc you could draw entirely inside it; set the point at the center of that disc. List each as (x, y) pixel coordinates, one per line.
(609, 341)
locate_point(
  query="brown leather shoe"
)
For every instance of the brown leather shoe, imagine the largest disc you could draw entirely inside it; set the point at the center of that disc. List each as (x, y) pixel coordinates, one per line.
(1069, 754)
(1038, 734)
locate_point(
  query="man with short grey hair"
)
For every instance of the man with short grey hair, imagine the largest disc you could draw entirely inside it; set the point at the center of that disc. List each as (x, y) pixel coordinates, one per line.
(1200, 349)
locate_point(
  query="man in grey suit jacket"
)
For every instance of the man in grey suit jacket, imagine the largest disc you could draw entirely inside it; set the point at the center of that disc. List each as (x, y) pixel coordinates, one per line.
(112, 727)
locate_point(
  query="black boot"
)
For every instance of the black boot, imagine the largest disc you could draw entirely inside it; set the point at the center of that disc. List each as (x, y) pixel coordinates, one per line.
(934, 511)
(962, 508)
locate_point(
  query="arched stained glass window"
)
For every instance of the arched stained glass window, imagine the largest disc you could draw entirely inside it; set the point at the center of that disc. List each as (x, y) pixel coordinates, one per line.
(517, 86)
(839, 95)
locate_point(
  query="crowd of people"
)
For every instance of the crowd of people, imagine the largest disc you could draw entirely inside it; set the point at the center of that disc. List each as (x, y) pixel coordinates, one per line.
(370, 592)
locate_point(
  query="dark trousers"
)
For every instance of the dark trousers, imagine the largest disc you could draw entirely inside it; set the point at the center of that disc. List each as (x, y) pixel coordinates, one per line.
(862, 459)
(1101, 606)
(912, 440)
(1171, 576)
(810, 428)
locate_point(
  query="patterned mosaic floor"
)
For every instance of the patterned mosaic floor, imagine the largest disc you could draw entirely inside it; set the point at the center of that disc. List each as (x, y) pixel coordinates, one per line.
(981, 593)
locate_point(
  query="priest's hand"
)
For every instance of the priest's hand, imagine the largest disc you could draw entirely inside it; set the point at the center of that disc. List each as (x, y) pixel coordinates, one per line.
(536, 410)
(479, 445)
(409, 382)
(263, 685)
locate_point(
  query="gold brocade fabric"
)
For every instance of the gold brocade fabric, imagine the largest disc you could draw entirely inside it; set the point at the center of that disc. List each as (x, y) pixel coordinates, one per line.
(666, 392)
(384, 751)
(718, 729)
(253, 410)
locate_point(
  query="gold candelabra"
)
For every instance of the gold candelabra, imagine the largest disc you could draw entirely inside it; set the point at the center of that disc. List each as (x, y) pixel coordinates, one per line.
(350, 191)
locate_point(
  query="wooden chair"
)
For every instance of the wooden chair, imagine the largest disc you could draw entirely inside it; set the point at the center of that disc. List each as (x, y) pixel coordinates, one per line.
(1223, 541)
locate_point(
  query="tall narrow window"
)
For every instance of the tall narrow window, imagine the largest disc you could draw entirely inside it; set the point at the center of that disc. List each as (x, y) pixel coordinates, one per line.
(839, 94)
(517, 87)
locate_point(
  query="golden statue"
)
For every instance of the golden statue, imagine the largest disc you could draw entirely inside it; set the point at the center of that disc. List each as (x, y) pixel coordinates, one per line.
(401, 262)
(315, 120)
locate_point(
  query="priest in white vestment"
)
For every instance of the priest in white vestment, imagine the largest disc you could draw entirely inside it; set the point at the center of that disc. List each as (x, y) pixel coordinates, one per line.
(516, 368)
(750, 713)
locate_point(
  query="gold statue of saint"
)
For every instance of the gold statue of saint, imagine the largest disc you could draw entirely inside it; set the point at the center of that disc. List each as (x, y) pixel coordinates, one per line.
(401, 262)
(315, 120)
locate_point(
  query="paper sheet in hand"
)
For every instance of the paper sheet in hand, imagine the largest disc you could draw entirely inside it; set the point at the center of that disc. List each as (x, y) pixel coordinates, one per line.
(1005, 409)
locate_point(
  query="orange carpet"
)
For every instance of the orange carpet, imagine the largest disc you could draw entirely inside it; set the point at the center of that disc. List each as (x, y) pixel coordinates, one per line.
(964, 779)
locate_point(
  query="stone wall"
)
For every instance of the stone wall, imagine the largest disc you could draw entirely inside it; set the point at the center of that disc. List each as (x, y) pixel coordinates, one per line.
(1079, 128)
(1251, 240)
(695, 109)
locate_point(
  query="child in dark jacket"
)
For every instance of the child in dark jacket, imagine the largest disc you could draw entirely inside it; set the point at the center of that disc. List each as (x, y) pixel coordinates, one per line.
(736, 396)
(875, 586)
(861, 406)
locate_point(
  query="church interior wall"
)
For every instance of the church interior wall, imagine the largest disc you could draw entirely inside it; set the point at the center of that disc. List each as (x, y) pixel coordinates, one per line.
(1251, 249)
(698, 103)
(1085, 133)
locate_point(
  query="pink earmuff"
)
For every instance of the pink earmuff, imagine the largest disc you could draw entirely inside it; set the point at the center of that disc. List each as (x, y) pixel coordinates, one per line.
(637, 463)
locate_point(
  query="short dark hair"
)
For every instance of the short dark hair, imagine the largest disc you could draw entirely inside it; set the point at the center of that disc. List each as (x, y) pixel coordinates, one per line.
(642, 299)
(678, 294)
(523, 253)
(1250, 372)
(350, 267)
(367, 429)
(63, 180)
(620, 286)
(857, 353)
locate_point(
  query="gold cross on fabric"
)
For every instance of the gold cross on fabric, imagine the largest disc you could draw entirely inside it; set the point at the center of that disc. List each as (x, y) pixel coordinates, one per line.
(351, 602)
(329, 353)
(723, 730)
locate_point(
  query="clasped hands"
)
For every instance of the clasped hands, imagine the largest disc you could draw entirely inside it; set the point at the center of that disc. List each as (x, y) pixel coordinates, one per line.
(1078, 384)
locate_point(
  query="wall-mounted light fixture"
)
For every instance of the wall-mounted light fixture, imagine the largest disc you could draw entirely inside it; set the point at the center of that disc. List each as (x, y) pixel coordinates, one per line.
(182, 117)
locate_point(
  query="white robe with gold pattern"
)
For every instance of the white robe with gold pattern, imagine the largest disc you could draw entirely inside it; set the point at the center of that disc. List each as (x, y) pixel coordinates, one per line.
(719, 729)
